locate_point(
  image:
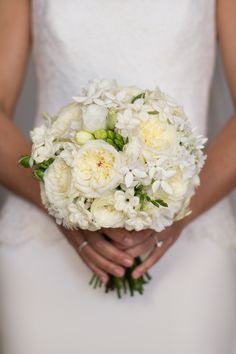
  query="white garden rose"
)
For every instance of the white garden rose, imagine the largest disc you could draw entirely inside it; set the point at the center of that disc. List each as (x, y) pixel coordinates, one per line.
(105, 213)
(96, 168)
(157, 134)
(57, 183)
(68, 121)
(178, 185)
(94, 117)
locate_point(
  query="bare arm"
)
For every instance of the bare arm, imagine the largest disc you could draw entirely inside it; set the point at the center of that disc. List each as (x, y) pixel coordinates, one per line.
(218, 177)
(15, 43)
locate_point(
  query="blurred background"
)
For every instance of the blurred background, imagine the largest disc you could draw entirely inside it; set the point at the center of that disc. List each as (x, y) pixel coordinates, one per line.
(220, 108)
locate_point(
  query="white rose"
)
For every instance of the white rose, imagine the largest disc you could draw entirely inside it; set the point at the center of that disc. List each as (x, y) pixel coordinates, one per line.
(105, 214)
(94, 117)
(157, 134)
(57, 182)
(68, 120)
(178, 185)
(96, 168)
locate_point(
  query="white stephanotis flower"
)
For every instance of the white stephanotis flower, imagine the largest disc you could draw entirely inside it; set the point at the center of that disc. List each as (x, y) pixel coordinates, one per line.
(105, 213)
(132, 176)
(94, 117)
(161, 178)
(58, 183)
(126, 201)
(80, 216)
(126, 122)
(96, 90)
(96, 168)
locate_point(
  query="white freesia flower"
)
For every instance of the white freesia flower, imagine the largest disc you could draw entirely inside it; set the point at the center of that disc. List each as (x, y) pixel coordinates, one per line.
(94, 117)
(105, 214)
(57, 183)
(96, 168)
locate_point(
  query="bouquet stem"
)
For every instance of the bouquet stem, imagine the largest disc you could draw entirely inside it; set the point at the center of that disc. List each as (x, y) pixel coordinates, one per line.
(121, 285)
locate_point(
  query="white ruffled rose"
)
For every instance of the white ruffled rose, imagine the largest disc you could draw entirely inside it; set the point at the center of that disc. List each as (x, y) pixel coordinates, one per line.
(157, 134)
(57, 183)
(68, 121)
(94, 117)
(96, 168)
(178, 185)
(105, 213)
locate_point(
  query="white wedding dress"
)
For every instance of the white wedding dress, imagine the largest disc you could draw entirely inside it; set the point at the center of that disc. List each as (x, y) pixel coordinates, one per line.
(46, 304)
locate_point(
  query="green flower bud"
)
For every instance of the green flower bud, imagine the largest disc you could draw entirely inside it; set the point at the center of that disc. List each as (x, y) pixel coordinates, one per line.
(24, 161)
(38, 174)
(120, 138)
(83, 136)
(111, 134)
(111, 142)
(111, 118)
(118, 143)
(100, 134)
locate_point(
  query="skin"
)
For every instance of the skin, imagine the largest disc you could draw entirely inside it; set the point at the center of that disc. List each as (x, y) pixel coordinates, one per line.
(101, 256)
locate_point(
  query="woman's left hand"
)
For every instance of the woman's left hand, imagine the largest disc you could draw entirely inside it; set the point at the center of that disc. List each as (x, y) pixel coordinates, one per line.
(165, 238)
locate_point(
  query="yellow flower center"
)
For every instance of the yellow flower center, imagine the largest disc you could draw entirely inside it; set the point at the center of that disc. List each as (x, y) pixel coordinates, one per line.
(156, 134)
(96, 165)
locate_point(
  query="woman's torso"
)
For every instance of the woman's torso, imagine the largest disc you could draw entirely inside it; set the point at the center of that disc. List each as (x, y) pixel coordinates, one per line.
(170, 44)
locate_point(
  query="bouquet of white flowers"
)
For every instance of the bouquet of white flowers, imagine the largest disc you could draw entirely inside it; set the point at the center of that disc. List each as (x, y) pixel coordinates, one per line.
(117, 157)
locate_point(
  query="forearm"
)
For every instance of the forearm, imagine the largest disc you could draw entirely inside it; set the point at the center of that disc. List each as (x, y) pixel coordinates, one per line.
(218, 177)
(12, 145)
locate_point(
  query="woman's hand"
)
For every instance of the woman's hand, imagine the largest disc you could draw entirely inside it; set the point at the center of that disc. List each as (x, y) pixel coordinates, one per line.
(165, 238)
(100, 255)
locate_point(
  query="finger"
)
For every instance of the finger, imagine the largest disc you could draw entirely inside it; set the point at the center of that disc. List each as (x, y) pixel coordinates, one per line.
(142, 248)
(119, 235)
(154, 257)
(102, 263)
(100, 273)
(137, 239)
(108, 250)
(76, 239)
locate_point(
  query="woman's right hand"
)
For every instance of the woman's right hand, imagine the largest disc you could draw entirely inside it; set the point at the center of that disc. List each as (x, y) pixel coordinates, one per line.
(100, 255)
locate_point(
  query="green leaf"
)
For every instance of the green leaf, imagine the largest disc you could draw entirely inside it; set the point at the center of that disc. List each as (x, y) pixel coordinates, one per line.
(141, 95)
(45, 164)
(154, 202)
(162, 203)
(138, 189)
(24, 161)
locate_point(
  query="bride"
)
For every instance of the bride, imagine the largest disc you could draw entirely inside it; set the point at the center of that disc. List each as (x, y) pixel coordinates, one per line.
(46, 304)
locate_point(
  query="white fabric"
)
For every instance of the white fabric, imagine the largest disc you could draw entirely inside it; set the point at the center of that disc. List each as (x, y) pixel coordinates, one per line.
(46, 304)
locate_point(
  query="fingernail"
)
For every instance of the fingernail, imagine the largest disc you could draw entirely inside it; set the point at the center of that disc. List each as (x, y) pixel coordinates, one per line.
(128, 241)
(128, 262)
(119, 272)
